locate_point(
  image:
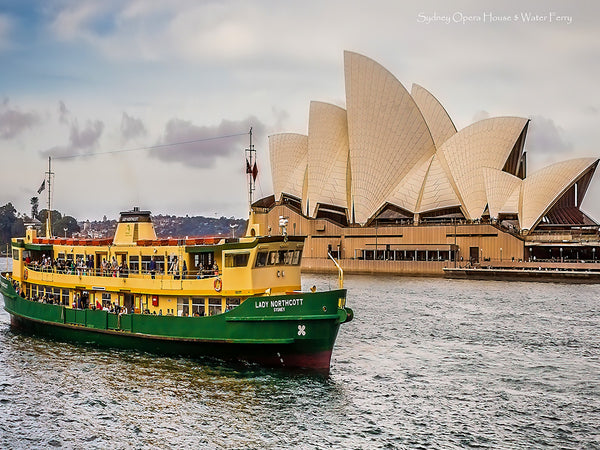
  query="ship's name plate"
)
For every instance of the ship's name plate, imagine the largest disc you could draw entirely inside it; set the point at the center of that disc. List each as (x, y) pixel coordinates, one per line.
(278, 305)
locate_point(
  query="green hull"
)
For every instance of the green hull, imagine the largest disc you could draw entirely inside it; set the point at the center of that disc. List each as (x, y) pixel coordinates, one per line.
(294, 331)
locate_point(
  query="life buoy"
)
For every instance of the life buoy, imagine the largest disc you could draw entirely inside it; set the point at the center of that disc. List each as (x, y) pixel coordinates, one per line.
(218, 284)
(25, 274)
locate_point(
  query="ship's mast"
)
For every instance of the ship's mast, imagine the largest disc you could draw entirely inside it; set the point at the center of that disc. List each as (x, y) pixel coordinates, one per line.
(49, 204)
(251, 171)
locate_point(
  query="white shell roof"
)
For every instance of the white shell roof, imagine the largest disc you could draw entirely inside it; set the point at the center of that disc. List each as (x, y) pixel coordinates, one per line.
(544, 187)
(407, 194)
(499, 186)
(439, 122)
(289, 158)
(437, 190)
(327, 156)
(386, 131)
(389, 146)
(486, 143)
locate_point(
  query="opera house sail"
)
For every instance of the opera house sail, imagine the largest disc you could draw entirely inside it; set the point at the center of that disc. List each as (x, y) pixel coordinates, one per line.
(387, 183)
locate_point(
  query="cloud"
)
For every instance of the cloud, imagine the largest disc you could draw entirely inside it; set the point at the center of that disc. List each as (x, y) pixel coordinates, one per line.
(211, 142)
(81, 141)
(76, 20)
(131, 127)
(546, 136)
(63, 113)
(281, 117)
(13, 122)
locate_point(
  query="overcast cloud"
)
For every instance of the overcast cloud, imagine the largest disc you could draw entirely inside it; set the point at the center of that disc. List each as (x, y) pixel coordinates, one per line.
(545, 136)
(13, 122)
(82, 141)
(135, 74)
(210, 143)
(132, 127)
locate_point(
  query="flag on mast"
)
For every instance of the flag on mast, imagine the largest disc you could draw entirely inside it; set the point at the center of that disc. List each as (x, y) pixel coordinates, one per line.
(42, 187)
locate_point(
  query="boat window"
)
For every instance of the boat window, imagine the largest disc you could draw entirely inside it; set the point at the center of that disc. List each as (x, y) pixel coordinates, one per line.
(146, 263)
(106, 300)
(297, 257)
(65, 297)
(70, 258)
(197, 306)
(16, 255)
(236, 259)
(160, 263)
(214, 306)
(261, 259)
(205, 258)
(134, 263)
(232, 302)
(158, 260)
(279, 257)
(273, 258)
(183, 306)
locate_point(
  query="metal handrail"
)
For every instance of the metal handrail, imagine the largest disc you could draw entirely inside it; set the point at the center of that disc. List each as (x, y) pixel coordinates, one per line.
(340, 270)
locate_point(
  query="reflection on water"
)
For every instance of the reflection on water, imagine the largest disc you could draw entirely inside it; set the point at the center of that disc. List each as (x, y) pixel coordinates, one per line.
(425, 363)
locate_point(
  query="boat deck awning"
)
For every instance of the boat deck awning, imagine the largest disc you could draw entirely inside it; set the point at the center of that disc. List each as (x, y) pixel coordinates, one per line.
(39, 247)
(241, 244)
(219, 247)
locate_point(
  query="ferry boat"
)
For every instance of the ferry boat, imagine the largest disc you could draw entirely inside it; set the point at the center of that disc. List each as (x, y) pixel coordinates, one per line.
(227, 298)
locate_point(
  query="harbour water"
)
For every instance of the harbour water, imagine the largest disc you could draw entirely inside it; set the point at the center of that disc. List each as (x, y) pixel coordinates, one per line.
(427, 363)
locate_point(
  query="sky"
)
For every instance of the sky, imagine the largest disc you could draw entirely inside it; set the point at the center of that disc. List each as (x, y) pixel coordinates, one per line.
(95, 84)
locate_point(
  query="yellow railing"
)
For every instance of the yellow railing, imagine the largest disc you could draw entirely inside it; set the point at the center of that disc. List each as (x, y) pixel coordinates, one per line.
(110, 273)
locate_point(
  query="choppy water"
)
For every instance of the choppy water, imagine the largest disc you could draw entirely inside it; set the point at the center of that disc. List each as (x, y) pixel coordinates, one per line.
(427, 363)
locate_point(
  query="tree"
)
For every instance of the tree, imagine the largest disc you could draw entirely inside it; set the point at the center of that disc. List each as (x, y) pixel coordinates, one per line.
(10, 224)
(66, 222)
(34, 207)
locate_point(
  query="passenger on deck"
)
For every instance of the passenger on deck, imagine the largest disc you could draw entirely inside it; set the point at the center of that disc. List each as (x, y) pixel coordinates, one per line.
(114, 267)
(124, 269)
(200, 271)
(174, 266)
(152, 267)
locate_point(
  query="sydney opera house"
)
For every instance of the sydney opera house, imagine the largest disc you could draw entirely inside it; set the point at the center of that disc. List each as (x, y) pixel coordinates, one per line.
(388, 184)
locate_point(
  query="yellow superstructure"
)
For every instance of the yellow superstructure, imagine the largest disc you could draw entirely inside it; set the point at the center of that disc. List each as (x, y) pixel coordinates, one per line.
(138, 271)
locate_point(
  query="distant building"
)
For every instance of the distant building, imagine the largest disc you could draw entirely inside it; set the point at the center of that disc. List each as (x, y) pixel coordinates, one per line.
(389, 185)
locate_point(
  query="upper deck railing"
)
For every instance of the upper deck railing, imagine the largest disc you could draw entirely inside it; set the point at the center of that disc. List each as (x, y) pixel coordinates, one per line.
(123, 273)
